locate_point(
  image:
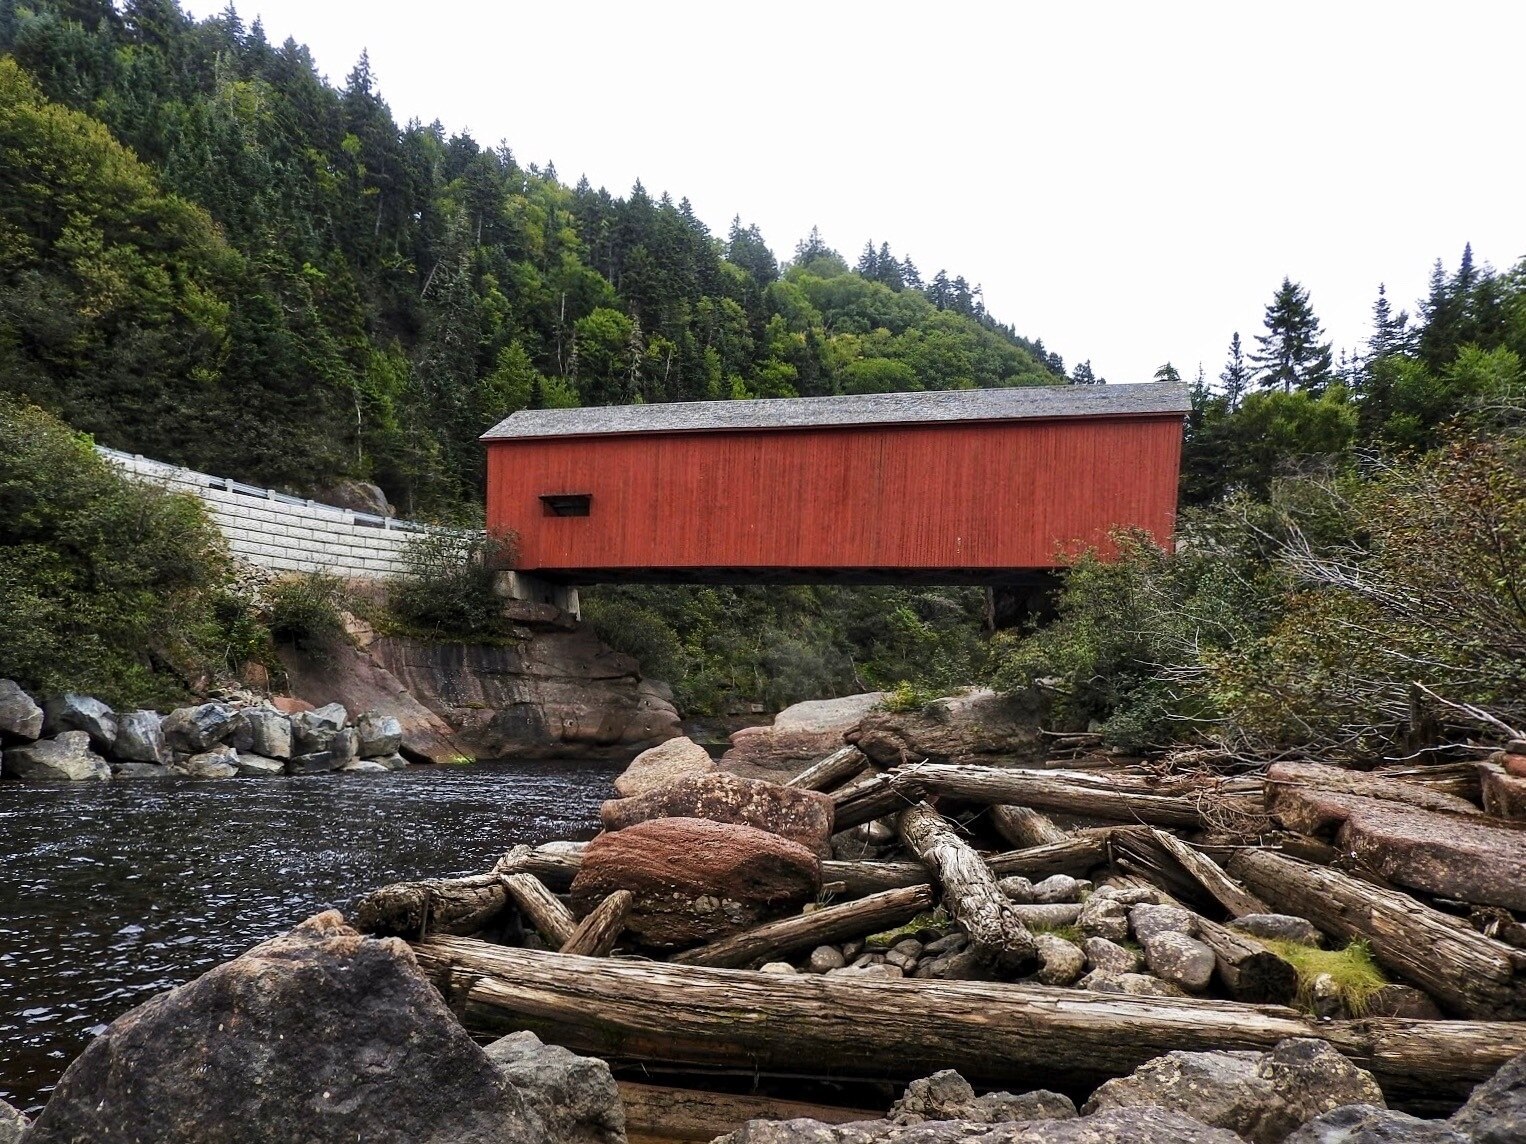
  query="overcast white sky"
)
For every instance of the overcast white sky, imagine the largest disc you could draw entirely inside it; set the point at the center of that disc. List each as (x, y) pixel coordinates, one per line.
(1129, 181)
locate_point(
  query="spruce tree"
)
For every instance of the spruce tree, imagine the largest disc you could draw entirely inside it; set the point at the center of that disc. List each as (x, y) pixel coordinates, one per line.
(1167, 372)
(1084, 375)
(1235, 376)
(1390, 331)
(1292, 356)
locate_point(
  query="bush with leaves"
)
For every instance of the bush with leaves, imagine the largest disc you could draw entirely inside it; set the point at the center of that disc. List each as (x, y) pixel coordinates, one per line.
(448, 589)
(107, 585)
(307, 613)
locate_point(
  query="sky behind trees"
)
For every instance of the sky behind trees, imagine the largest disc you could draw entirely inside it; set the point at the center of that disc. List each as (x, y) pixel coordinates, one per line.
(1128, 182)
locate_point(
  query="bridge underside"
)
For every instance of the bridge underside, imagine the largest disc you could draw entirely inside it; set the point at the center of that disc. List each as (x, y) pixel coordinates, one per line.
(1029, 578)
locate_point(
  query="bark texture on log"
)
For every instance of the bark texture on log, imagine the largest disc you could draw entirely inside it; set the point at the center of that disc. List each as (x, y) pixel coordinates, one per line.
(832, 771)
(970, 892)
(881, 1028)
(547, 913)
(664, 1115)
(1076, 855)
(1023, 826)
(869, 797)
(1472, 975)
(1374, 784)
(1237, 902)
(597, 933)
(834, 923)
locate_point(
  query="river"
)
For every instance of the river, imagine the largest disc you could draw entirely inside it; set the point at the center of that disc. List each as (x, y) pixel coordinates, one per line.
(112, 892)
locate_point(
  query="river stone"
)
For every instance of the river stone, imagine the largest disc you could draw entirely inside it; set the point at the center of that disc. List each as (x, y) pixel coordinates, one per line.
(20, 716)
(73, 712)
(1109, 956)
(1496, 1112)
(803, 816)
(193, 729)
(1104, 917)
(315, 730)
(1132, 984)
(694, 879)
(1129, 896)
(221, 762)
(574, 1098)
(1310, 1077)
(1060, 962)
(659, 765)
(825, 957)
(13, 1124)
(316, 763)
(390, 762)
(68, 757)
(379, 734)
(141, 771)
(140, 738)
(1369, 1124)
(258, 766)
(1173, 956)
(1278, 927)
(263, 731)
(345, 744)
(320, 1036)
(948, 1096)
(1058, 888)
(1147, 920)
(363, 767)
(1120, 1126)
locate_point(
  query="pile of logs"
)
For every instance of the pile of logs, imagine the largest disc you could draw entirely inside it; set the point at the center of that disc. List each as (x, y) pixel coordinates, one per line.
(954, 858)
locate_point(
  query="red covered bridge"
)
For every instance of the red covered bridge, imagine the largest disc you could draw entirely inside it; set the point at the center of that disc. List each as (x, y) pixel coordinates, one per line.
(961, 486)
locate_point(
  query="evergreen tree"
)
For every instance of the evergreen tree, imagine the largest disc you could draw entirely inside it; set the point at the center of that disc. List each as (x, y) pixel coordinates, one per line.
(1167, 372)
(1292, 356)
(1390, 331)
(1234, 379)
(1083, 375)
(868, 262)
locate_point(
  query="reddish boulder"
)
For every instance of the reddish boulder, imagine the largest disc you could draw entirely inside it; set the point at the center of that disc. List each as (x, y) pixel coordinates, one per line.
(803, 816)
(1504, 793)
(659, 765)
(1514, 764)
(798, 736)
(695, 879)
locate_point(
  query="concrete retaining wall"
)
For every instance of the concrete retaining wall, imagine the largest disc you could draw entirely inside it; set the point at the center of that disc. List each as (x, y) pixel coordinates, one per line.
(283, 533)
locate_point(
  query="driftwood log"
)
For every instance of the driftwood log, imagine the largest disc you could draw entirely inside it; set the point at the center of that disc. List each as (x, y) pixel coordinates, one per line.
(988, 1031)
(870, 796)
(1237, 902)
(1470, 974)
(547, 913)
(1023, 826)
(832, 771)
(658, 1114)
(781, 938)
(597, 933)
(1076, 855)
(970, 891)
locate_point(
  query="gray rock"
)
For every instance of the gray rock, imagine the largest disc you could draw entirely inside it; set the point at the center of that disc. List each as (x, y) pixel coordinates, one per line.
(191, 730)
(1104, 917)
(345, 744)
(251, 765)
(908, 947)
(1060, 962)
(825, 957)
(320, 1036)
(316, 763)
(221, 762)
(263, 731)
(391, 762)
(379, 734)
(1133, 984)
(1109, 956)
(20, 716)
(65, 758)
(140, 738)
(364, 767)
(1279, 927)
(141, 771)
(1017, 888)
(1147, 920)
(1180, 960)
(1326, 999)
(72, 712)
(950, 944)
(1129, 895)
(1058, 888)
(13, 1124)
(1369, 1124)
(1496, 1112)
(1120, 1126)
(781, 968)
(574, 1098)
(948, 1096)
(902, 961)
(1310, 1078)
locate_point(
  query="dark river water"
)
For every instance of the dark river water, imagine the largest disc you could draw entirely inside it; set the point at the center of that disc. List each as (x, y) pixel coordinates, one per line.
(112, 892)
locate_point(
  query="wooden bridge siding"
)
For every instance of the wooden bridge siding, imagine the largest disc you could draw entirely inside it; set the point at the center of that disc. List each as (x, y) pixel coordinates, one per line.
(925, 497)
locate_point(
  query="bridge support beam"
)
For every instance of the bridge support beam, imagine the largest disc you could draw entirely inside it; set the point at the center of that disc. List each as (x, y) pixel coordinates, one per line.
(534, 590)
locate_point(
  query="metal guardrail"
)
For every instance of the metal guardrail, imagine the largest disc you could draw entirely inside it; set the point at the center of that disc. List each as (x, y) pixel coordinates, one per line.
(228, 484)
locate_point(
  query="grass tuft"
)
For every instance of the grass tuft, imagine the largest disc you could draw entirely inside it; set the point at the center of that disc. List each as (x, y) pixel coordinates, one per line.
(1357, 977)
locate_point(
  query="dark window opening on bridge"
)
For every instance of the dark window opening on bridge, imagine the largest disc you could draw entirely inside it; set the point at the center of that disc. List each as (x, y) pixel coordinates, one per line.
(566, 504)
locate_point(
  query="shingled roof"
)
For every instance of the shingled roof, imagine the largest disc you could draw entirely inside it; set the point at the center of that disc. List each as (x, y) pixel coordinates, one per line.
(1019, 403)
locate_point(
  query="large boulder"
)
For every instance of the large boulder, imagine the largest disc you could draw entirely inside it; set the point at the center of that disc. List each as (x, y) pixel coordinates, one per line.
(316, 730)
(980, 726)
(190, 730)
(695, 879)
(140, 738)
(948, 1096)
(657, 766)
(574, 1098)
(66, 758)
(13, 1124)
(378, 734)
(1496, 1112)
(263, 731)
(221, 762)
(72, 712)
(1144, 1125)
(798, 736)
(20, 716)
(1369, 1124)
(320, 1036)
(1260, 1096)
(803, 816)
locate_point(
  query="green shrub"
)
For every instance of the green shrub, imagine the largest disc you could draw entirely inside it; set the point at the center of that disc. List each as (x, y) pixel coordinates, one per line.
(107, 585)
(448, 588)
(306, 612)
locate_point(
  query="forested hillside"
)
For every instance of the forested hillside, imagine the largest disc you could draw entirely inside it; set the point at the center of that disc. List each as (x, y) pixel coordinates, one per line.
(210, 255)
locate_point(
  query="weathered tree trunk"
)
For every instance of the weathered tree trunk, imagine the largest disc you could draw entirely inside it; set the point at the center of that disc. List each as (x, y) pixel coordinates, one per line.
(1376, 784)
(451, 905)
(1076, 855)
(1023, 826)
(1208, 874)
(869, 797)
(832, 771)
(970, 892)
(547, 913)
(988, 1031)
(596, 934)
(658, 1113)
(1472, 975)
(834, 923)
(1076, 792)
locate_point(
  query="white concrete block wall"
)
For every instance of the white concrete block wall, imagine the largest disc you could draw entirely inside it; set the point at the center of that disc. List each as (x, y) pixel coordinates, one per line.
(282, 533)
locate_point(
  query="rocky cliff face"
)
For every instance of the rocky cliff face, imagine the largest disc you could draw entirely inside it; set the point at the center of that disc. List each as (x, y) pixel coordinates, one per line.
(555, 693)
